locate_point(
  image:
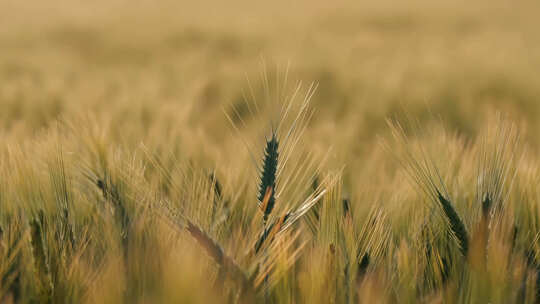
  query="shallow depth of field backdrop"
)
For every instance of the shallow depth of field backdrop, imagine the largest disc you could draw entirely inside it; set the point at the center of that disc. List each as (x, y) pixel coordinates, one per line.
(108, 85)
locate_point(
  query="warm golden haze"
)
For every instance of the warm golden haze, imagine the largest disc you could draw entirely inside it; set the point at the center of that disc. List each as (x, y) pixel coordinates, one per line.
(278, 152)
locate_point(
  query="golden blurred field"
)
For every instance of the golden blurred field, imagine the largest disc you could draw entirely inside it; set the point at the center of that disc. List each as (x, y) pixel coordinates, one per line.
(135, 96)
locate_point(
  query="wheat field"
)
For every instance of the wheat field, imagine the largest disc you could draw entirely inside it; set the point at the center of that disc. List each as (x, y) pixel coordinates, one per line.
(269, 152)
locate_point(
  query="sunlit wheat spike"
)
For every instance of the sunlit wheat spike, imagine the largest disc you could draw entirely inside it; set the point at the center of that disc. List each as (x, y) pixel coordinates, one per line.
(211, 248)
(215, 251)
(456, 225)
(286, 221)
(268, 176)
(497, 170)
(270, 231)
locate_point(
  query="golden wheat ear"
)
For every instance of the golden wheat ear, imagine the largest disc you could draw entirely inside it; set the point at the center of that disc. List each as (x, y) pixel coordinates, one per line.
(212, 249)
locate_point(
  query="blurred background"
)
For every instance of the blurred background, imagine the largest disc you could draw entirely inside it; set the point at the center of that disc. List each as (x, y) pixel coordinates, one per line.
(141, 68)
(120, 74)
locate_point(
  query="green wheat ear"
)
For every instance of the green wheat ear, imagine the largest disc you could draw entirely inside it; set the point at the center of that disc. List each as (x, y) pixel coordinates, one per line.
(268, 176)
(486, 206)
(455, 224)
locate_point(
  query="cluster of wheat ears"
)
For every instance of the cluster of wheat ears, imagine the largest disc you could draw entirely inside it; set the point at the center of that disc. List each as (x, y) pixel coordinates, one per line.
(94, 224)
